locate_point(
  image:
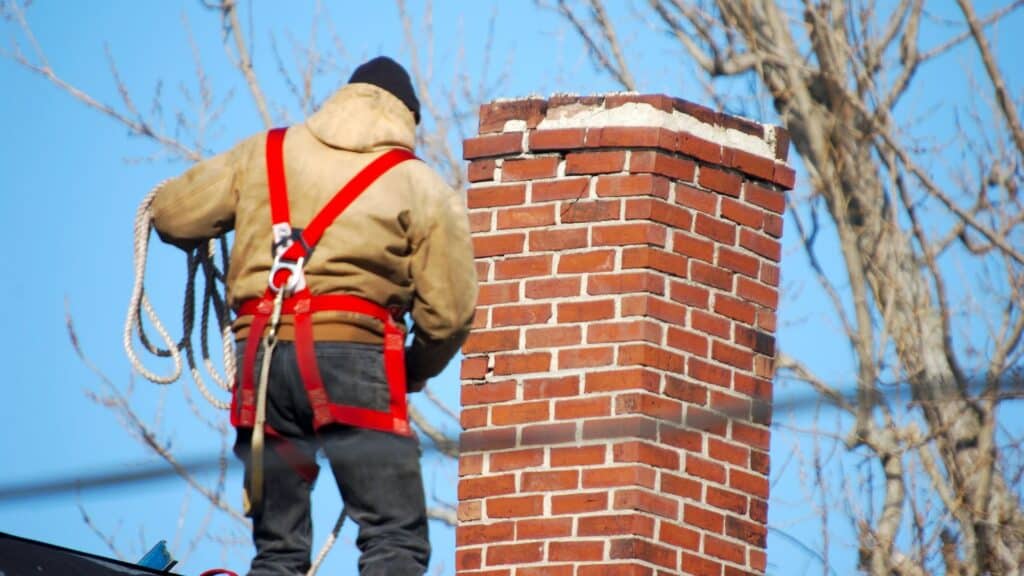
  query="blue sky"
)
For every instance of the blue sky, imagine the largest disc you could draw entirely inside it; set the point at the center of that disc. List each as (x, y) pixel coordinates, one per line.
(72, 178)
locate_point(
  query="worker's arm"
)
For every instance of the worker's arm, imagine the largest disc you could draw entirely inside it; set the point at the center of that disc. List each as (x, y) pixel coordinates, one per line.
(444, 275)
(199, 204)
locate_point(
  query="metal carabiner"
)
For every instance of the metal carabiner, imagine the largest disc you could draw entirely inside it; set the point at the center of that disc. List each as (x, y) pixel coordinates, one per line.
(296, 278)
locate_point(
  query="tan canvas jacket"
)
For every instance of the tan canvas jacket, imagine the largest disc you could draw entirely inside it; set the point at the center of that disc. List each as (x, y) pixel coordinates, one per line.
(405, 241)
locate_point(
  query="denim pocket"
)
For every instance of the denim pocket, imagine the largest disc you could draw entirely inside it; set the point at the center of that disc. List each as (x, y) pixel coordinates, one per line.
(354, 375)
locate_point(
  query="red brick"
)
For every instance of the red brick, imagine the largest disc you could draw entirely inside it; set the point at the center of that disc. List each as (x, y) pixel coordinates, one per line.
(749, 532)
(766, 320)
(520, 314)
(587, 262)
(498, 293)
(726, 500)
(481, 170)
(679, 536)
(620, 427)
(515, 170)
(561, 139)
(515, 553)
(630, 379)
(758, 560)
(724, 549)
(689, 294)
(751, 164)
(494, 115)
(709, 323)
(561, 189)
(686, 390)
(550, 481)
(611, 525)
(649, 405)
(759, 510)
(760, 462)
(693, 246)
(633, 185)
(471, 464)
(687, 341)
(579, 502)
(520, 413)
(536, 434)
(764, 367)
(577, 456)
(633, 475)
(606, 569)
(647, 355)
(471, 418)
(720, 181)
(747, 483)
(506, 144)
(633, 233)
(571, 358)
(732, 356)
(784, 176)
(534, 529)
(578, 408)
(770, 274)
(753, 436)
(637, 549)
(483, 270)
(705, 274)
(658, 211)
(487, 439)
(594, 162)
(742, 214)
(681, 486)
(703, 518)
(699, 148)
(522, 363)
(624, 332)
(654, 259)
(760, 342)
(515, 506)
(490, 341)
(479, 221)
(468, 559)
(488, 393)
(646, 305)
(697, 565)
(650, 161)
(773, 225)
(522, 267)
(765, 198)
(700, 200)
(548, 570)
(625, 283)
(576, 551)
(536, 388)
(658, 101)
(559, 239)
(526, 217)
(589, 211)
(728, 452)
(681, 438)
(715, 229)
(711, 422)
(755, 292)
(471, 534)
(734, 308)
(491, 196)
(738, 262)
(473, 368)
(553, 288)
(706, 469)
(589, 311)
(760, 244)
(553, 337)
(515, 460)
(472, 488)
(625, 137)
(646, 453)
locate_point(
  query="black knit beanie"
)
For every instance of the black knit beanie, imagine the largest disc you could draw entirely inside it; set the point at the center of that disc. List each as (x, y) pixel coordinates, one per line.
(389, 75)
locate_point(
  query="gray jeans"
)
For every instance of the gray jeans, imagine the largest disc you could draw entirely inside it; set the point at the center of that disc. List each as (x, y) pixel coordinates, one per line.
(378, 473)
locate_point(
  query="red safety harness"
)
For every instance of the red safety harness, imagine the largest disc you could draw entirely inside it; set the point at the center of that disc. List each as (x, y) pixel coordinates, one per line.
(292, 249)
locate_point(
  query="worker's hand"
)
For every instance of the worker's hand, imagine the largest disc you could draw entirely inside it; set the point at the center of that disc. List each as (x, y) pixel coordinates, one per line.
(415, 386)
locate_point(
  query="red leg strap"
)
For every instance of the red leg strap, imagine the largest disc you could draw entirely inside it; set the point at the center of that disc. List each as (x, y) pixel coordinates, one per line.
(243, 409)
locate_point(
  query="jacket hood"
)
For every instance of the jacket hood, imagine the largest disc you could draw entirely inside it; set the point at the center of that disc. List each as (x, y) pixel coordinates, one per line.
(363, 118)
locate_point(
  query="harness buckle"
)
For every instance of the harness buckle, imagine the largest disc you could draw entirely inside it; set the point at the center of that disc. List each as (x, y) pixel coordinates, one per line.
(296, 279)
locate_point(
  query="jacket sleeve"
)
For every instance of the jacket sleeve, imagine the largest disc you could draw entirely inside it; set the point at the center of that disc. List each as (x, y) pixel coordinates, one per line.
(444, 276)
(199, 204)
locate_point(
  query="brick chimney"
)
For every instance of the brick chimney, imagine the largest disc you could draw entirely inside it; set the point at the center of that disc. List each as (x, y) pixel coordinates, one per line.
(617, 388)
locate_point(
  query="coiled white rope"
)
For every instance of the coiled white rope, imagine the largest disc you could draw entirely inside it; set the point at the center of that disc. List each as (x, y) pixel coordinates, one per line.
(201, 258)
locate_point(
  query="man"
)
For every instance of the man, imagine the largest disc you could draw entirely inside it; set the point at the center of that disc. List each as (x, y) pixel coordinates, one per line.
(399, 244)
